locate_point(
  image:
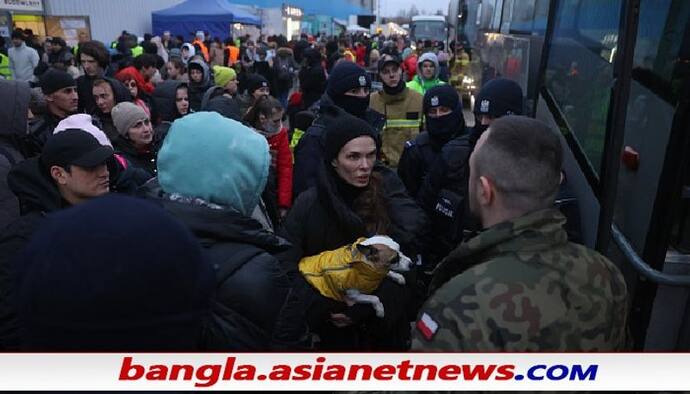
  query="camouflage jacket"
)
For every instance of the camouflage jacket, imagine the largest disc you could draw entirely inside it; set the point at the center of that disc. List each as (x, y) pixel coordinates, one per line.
(521, 286)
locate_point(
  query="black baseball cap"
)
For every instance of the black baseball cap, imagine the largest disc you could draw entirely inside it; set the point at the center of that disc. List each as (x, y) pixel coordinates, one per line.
(74, 147)
(387, 59)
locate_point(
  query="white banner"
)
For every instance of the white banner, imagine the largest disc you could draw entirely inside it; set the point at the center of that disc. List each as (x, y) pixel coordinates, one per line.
(345, 371)
(22, 5)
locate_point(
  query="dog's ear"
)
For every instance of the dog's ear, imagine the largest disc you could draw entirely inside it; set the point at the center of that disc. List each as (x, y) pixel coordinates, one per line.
(370, 252)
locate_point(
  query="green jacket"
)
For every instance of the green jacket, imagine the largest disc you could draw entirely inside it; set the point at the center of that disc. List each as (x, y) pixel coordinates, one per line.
(403, 114)
(521, 286)
(421, 87)
(5, 71)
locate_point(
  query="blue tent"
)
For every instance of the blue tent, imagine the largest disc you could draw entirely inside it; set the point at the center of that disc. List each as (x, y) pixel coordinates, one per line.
(334, 8)
(214, 16)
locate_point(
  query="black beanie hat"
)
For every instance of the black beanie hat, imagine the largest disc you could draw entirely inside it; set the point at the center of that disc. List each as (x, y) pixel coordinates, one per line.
(341, 129)
(441, 96)
(499, 97)
(53, 80)
(76, 291)
(345, 76)
(255, 82)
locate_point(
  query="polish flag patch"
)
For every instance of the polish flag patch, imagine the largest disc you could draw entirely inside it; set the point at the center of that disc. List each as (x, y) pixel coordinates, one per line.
(427, 326)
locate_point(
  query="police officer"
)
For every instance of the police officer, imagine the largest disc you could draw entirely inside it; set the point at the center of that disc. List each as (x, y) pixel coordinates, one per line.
(520, 285)
(444, 121)
(498, 97)
(443, 191)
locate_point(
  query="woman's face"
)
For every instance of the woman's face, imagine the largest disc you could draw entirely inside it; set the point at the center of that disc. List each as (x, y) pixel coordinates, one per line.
(182, 101)
(132, 86)
(196, 75)
(355, 161)
(141, 133)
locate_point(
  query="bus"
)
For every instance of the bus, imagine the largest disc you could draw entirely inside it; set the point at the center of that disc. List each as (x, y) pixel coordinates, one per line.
(428, 27)
(613, 76)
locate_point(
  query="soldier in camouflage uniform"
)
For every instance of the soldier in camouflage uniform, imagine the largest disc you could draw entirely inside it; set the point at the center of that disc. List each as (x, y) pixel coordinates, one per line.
(520, 285)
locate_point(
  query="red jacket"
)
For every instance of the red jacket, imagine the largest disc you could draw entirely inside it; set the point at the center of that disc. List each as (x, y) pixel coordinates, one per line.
(361, 53)
(410, 66)
(281, 160)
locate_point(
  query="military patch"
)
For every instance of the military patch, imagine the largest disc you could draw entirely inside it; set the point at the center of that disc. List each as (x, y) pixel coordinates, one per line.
(434, 101)
(427, 326)
(362, 80)
(484, 106)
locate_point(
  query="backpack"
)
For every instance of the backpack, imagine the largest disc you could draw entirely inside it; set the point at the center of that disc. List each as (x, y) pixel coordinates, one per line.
(284, 71)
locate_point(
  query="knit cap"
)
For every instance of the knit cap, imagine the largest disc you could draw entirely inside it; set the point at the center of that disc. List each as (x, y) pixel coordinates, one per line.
(114, 273)
(256, 82)
(125, 115)
(346, 76)
(499, 97)
(223, 75)
(53, 80)
(343, 129)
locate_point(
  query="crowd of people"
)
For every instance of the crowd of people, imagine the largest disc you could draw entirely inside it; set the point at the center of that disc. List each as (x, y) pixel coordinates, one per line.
(161, 194)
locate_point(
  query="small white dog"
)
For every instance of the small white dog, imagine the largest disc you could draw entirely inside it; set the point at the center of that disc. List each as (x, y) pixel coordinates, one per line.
(351, 273)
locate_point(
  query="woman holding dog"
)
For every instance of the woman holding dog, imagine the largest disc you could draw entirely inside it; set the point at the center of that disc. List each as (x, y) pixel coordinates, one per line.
(354, 197)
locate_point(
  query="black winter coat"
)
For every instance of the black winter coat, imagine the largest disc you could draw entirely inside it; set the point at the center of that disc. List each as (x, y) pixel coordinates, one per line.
(443, 194)
(141, 159)
(320, 220)
(309, 151)
(15, 97)
(38, 196)
(312, 84)
(254, 303)
(417, 159)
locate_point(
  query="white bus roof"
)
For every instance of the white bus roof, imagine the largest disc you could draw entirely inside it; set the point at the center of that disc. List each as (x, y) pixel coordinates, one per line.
(435, 18)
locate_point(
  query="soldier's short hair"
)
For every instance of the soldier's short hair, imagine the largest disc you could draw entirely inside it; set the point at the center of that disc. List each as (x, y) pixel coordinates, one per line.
(523, 157)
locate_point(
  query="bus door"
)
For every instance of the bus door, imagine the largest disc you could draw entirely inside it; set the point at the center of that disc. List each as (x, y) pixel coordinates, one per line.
(648, 232)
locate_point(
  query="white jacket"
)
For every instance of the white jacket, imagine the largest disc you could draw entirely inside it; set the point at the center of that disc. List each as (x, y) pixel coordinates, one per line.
(23, 60)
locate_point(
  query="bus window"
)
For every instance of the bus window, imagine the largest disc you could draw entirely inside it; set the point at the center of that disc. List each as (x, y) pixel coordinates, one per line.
(597, 26)
(523, 16)
(657, 62)
(507, 16)
(487, 10)
(662, 32)
(541, 15)
(496, 20)
(578, 76)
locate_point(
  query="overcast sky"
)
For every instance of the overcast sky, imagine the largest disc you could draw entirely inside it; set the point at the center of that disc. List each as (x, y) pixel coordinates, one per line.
(391, 7)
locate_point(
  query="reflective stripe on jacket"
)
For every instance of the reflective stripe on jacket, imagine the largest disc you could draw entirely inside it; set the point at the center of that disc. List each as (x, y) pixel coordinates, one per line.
(403, 114)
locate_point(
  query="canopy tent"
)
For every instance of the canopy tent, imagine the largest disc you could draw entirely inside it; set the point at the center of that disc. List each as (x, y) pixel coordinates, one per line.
(334, 8)
(357, 29)
(214, 16)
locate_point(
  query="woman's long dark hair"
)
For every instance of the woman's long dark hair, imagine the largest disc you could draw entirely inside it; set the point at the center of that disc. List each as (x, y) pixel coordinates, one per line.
(371, 206)
(264, 106)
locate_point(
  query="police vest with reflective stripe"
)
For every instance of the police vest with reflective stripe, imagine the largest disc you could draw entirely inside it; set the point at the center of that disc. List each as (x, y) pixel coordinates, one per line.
(5, 66)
